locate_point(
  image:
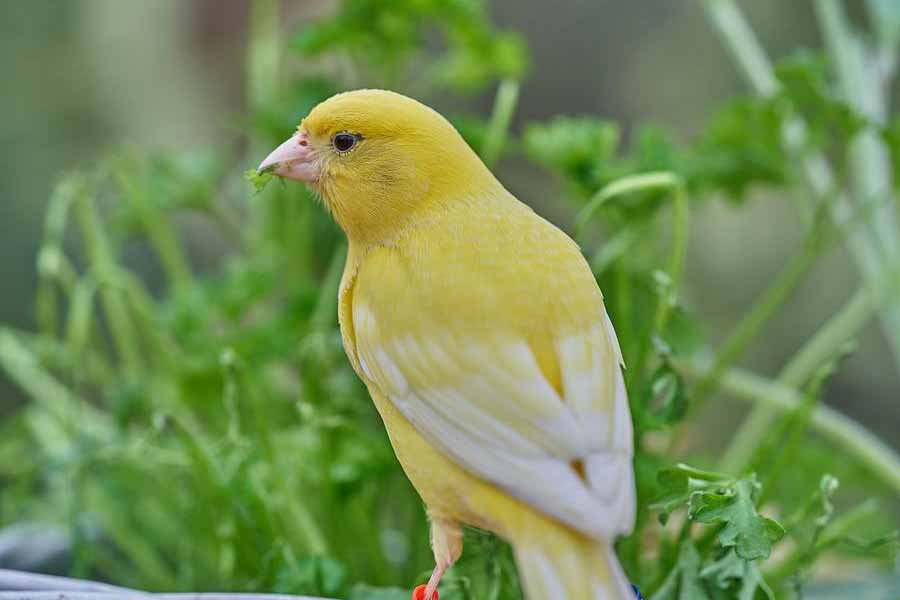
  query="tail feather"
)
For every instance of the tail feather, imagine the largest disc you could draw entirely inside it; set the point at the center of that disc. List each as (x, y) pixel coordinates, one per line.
(582, 569)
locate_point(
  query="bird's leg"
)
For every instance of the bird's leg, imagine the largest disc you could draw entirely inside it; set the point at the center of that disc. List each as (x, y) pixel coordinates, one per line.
(446, 543)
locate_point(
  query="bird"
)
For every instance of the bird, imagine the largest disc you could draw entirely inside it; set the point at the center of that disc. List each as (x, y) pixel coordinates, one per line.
(481, 334)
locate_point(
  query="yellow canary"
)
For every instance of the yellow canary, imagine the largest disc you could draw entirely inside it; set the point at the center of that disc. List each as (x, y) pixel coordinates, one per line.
(481, 335)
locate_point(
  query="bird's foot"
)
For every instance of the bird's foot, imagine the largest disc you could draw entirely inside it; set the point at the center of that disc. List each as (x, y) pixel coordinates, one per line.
(419, 593)
(429, 591)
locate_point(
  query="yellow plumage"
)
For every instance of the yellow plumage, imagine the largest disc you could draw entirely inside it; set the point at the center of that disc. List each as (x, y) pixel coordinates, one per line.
(482, 337)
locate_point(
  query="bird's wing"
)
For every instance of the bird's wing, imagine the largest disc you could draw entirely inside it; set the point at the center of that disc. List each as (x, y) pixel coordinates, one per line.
(564, 448)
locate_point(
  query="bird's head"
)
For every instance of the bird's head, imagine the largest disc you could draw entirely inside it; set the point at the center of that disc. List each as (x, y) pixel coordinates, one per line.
(376, 158)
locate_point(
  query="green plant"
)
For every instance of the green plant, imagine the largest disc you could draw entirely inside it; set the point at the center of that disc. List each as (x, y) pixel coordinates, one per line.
(212, 435)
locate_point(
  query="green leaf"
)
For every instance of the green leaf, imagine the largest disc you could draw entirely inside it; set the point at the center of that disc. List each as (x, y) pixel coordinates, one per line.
(575, 147)
(664, 400)
(258, 179)
(653, 149)
(741, 148)
(473, 62)
(679, 483)
(751, 534)
(806, 89)
(388, 36)
(775, 455)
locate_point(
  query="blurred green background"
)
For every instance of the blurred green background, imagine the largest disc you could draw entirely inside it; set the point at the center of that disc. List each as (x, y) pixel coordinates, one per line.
(86, 76)
(236, 450)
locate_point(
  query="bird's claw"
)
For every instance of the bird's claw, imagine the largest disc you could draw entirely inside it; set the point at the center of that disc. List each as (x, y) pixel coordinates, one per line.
(421, 593)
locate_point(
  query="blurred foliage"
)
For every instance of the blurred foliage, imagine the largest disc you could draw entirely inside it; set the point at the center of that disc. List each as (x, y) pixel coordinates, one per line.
(213, 436)
(392, 37)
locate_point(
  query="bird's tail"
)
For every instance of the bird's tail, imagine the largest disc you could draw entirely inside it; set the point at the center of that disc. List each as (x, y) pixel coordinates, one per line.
(560, 564)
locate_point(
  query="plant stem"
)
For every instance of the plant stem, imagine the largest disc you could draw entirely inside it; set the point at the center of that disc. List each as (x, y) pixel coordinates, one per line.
(642, 182)
(871, 167)
(846, 523)
(654, 180)
(159, 231)
(818, 350)
(861, 84)
(262, 65)
(753, 321)
(263, 53)
(501, 116)
(815, 169)
(743, 45)
(678, 254)
(46, 391)
(296, 517)
(829, 339)
(100, 254)
(52, 265)
(885, 20)
(80, 318)
(831, 534)
(165, 351)
(860, 443)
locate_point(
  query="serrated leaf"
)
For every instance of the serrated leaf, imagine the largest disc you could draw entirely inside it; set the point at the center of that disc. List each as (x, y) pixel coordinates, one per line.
(751, 534)
(573, 146)
(259, 180)
(675, 492)
(390, 35)
(679, 483)
(742, 147)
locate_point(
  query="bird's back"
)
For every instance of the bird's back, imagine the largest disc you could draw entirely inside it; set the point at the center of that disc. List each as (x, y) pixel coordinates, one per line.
(490, 265)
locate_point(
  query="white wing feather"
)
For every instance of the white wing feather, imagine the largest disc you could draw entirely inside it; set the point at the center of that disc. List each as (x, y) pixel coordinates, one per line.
(487, 405)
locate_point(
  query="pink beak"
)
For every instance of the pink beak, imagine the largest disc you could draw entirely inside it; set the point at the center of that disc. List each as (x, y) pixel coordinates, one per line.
(294, 159)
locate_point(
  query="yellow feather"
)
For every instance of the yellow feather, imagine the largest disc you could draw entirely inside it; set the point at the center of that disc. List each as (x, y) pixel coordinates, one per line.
(482, 337)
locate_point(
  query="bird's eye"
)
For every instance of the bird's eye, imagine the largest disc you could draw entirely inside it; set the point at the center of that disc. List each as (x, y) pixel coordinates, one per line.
(344, 142)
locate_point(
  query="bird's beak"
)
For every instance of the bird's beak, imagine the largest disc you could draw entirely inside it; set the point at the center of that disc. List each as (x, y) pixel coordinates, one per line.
(294, 159)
